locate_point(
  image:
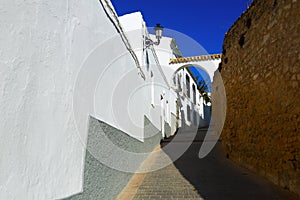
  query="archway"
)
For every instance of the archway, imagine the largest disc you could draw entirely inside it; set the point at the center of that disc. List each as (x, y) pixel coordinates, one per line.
(191, 107)
(209, 64)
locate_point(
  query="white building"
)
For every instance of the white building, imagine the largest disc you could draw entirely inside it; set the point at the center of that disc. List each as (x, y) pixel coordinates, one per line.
(186, 103)
(196, 112)
(69, 72)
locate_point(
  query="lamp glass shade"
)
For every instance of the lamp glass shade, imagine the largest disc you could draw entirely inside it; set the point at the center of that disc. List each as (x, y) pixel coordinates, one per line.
(158, 30)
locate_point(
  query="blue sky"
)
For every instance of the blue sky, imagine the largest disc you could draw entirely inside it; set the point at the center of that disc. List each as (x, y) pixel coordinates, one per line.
(198, 26)
(206, 21)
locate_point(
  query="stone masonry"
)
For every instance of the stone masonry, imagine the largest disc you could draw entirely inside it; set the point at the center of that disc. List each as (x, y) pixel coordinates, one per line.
(261, 73)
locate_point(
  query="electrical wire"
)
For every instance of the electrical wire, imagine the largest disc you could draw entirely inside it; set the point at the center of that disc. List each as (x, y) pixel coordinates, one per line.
(116, 23)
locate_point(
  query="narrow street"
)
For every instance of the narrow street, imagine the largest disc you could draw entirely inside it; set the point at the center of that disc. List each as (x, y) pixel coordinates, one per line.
(211, 178)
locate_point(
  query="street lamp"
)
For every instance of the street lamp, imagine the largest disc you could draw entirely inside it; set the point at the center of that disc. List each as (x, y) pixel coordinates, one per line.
(158, 33)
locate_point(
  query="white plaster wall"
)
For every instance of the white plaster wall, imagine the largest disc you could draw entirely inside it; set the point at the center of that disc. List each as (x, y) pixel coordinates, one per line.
(43, 47)
(185, 101)
(165, 53)
(134, 26)
(51, 55)
(139, 92)
(209, 66)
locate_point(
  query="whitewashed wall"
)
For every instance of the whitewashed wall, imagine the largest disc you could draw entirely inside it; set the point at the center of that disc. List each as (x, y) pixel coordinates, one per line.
(59, 63)
(46, 52)
(42, 45)
(143, 101)
(209, 66)
(165, 53)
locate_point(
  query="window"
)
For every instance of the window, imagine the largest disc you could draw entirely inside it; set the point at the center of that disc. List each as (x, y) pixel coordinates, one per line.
(194, 93)
(188, 113)
(179, 81)
(187, 80)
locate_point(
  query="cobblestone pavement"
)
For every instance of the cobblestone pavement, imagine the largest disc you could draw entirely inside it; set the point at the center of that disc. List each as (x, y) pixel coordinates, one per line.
(167, 183)
(211, 178)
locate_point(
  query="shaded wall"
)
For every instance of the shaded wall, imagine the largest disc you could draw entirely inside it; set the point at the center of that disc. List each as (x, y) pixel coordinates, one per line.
(100, 180)
(261, 72)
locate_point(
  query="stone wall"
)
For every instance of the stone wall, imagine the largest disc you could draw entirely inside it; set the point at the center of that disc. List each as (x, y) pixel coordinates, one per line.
(261, 73)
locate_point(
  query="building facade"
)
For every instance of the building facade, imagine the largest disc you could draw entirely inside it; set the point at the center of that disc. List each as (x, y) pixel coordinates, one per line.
(76, 80)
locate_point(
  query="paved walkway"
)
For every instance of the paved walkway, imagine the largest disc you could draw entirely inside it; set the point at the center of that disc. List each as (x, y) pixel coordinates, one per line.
(211, 178)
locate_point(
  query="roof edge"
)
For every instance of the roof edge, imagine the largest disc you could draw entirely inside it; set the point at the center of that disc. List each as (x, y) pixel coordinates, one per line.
(195, 58)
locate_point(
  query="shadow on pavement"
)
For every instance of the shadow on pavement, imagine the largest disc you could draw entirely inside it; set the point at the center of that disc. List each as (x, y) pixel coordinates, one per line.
(215, 177)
